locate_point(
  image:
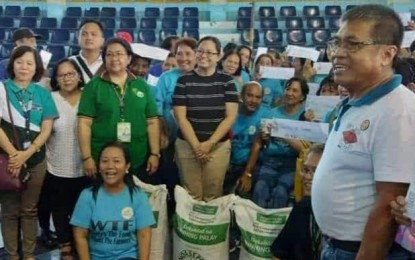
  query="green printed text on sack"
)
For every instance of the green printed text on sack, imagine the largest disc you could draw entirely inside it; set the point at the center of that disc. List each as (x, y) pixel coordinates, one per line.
(205, 209)
(257, 245)
(271, 219)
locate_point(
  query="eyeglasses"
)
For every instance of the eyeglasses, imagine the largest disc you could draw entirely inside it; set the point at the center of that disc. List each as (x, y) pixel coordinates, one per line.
(349, 45)
(69, 75)
(208, 53)
(115, 55)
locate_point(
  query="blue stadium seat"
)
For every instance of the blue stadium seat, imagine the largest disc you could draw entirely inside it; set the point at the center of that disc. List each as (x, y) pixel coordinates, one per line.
(107, 22)
(29, 22)
(108, 12)
(6, 50)
(269, 23)
(169, 23)
(148, 23)
(60, 36)
(245, 37)
(6, 22)
(334, 22)
(147, 37)
(316, 22)
(13, 11)
(296, 37)
(1, 10)
(31, 11)
(171, 12)
(44, 33)
(266, 11)
(190, 12)
(127, 12)
(273, 38)
(109, 33)
(243, 23)
(58, 53)
(128, 23)
(48, 22)
(164, 33)
(70, 23)
(191, 33)
(311, 10)
(332, 10)
(190, 23)
(288, 11)
(244, 11)
(320, 36)
(73, 50)
(92, 12)
(2, 35)
(153, 12)
(294, 23)
(73, 11)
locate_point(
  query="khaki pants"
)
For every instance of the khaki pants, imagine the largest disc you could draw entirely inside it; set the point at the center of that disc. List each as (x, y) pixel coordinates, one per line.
(20, 209)
(203, 181)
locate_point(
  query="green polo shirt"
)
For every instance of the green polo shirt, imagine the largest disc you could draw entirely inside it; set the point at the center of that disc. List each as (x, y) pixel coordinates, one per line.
(100, 102)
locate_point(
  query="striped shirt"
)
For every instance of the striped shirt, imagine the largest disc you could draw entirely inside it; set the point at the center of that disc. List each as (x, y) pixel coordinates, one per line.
(204, 99)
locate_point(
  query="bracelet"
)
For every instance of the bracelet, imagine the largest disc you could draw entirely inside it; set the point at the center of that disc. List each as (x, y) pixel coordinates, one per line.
(155, 154)
(86, 158)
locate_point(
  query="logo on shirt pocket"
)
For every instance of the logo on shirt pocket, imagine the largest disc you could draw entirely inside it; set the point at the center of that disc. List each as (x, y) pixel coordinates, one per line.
(127, 213)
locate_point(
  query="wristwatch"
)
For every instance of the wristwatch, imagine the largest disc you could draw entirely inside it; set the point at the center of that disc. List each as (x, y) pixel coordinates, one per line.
(155, 154)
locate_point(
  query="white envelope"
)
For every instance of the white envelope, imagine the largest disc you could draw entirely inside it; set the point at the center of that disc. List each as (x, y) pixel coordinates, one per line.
(323, 67)
(150, 52)
(303, 52)
(408, 38)
(405, 18)
(302, 130)
(321, 105)
(46, 56)
(313, 88)
(260, 50)
(152, 80)
(276, 72)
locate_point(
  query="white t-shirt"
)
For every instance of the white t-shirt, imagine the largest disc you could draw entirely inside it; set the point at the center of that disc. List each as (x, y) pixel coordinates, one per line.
(375, 142)
(63, 152)
(92, 67)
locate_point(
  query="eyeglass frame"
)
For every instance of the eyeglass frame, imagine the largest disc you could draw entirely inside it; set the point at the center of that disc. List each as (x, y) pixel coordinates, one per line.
(69, 75)
(208, 53)
(354, 46)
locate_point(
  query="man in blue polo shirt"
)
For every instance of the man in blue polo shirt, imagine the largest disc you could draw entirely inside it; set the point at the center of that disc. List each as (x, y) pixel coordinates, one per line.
(368, 159)
(21, 36)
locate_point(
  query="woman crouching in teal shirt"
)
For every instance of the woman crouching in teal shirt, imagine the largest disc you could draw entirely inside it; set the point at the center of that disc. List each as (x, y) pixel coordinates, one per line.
(112, 219)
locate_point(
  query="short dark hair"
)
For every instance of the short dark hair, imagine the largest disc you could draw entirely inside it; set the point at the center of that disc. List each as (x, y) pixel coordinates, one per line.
(167, 43)
(213, 39)
(138, 57)
(225, 56)
(128, 178)
(120, 41)
(240, 47)
(328, 80)
(98, 23)
(303, 84)
(54, 78)
(230, 46)
(189, 42)
(387, 28)
(263, 55)
(19, 52)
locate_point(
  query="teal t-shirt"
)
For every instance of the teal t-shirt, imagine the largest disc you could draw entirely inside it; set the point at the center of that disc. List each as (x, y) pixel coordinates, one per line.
(273, 90)
(112, 221)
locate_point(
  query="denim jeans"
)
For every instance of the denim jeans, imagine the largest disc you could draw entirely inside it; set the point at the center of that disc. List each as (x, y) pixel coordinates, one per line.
(331, 253)
(274, 183)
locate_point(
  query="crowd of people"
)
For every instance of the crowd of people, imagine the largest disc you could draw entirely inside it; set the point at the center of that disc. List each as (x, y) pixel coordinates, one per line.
(196, 120)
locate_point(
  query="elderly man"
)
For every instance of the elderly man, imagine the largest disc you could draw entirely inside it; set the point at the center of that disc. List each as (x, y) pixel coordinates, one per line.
(368, 160)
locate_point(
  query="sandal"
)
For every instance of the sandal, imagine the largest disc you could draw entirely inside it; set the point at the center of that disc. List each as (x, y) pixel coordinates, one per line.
(66, 251)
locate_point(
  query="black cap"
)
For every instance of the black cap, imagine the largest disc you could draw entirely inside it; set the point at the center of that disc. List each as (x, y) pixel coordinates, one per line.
(24, 33)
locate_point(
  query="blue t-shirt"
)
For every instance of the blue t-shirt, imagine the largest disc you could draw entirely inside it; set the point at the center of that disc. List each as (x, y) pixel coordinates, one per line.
(278, 147)
(112, 221)
(245, 77)
(244, 131)
(166, 85)
(3, 69)
(273, 90)
(156, 70)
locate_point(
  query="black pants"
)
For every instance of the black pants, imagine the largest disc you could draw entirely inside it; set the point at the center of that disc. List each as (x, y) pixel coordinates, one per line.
(61, 195)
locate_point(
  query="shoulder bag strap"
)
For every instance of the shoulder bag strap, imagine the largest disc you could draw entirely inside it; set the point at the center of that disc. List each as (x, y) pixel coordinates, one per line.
(15, 136)
(84, 66)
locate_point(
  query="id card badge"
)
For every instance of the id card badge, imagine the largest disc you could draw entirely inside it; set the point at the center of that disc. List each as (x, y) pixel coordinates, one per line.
(124, 132)
(26, 144)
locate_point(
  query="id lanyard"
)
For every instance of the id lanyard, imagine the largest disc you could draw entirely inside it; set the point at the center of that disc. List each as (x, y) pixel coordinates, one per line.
(121, 101)
(27, 109)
